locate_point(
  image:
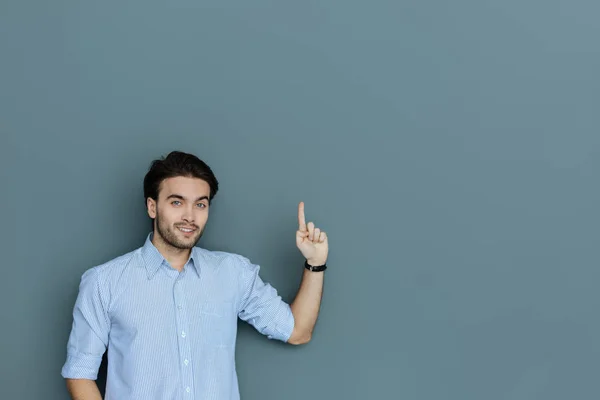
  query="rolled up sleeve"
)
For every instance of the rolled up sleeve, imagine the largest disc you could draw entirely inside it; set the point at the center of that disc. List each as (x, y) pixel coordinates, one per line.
(262, 307)
(90, 329)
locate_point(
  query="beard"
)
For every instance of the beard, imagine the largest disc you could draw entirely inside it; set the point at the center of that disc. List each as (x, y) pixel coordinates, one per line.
(169, 234)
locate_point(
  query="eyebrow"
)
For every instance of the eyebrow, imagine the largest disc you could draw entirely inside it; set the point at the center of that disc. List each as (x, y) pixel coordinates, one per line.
(178, 196)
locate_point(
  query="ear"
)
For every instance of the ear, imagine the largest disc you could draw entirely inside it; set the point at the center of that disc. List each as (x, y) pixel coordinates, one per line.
(151, 205)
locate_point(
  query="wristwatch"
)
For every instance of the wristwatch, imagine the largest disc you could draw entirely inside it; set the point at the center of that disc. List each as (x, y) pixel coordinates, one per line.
(314, 268)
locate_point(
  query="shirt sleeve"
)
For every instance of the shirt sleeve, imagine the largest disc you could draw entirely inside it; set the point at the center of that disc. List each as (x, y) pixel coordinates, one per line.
(90, 329)
(262, 307)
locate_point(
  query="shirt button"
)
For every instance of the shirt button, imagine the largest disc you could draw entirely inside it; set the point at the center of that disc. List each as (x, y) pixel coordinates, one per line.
(183, 334)
(186, 362)
(187, 389)
(179, 307)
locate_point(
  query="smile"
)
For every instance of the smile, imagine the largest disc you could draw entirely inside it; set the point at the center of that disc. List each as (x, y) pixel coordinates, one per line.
(186, 230)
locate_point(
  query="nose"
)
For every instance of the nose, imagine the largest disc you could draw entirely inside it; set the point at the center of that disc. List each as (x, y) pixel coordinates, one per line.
(188, 215)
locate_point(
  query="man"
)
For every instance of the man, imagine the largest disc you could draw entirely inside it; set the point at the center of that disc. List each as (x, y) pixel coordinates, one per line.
(167, 311)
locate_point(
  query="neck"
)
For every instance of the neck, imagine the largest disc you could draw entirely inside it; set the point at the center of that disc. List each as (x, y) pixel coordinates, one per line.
(174, 256)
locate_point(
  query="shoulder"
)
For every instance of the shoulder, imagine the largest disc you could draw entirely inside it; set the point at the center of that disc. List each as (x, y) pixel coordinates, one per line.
(112, 269)
(101, 282)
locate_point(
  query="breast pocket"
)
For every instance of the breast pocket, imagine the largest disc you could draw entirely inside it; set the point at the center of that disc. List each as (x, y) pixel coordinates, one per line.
(219, 323)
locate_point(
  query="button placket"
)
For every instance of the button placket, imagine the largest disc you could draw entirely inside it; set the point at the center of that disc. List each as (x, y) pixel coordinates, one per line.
(183, 336)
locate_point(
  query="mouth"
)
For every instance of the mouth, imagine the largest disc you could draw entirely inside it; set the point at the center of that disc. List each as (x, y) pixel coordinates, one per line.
(187, 231)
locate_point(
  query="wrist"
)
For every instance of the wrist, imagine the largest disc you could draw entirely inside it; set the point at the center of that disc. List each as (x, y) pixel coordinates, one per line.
(315, 262)
(315, 267)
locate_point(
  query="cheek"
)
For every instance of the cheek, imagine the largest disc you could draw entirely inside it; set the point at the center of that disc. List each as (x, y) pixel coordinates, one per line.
(167, 216)
(201, 217)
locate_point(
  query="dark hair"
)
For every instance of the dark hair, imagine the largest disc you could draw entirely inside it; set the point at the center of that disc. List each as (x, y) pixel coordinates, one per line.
(178, 163)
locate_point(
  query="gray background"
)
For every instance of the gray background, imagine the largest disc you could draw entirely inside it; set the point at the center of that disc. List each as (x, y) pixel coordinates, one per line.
(450, 150)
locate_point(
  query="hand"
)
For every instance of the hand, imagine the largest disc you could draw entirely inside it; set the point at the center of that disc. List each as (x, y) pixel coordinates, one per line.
(312, 242)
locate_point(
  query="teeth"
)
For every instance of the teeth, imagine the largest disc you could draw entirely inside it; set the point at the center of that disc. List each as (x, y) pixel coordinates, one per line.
(186, 230)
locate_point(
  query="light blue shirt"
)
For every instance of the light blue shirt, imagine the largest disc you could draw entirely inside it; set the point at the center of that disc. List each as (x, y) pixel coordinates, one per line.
(170, 335)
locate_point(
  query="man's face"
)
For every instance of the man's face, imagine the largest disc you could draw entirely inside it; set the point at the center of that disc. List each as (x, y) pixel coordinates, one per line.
(181, 211)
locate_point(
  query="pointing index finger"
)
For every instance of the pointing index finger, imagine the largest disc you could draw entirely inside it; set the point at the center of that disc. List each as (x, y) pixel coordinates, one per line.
(301, 218)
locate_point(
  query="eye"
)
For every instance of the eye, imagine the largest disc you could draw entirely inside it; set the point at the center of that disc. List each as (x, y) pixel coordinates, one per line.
(201, 205)
(176, 202)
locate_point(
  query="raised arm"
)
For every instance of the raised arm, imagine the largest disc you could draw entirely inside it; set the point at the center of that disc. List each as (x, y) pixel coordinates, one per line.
(314, 246)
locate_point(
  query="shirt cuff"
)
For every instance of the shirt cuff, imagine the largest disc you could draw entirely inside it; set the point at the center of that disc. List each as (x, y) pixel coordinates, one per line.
(283, 324)
(79, 366)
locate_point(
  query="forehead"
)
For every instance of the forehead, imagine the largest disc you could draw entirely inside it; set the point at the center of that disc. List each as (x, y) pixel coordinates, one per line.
(184, 186)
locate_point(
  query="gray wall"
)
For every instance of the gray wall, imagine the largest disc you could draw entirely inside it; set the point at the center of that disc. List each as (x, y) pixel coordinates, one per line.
(450, 150)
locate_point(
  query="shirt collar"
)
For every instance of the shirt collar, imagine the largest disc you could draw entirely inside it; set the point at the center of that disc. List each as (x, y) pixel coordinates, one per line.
(153, 259)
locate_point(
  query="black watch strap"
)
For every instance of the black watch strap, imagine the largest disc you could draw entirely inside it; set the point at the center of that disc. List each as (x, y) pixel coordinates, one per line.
(314, 268)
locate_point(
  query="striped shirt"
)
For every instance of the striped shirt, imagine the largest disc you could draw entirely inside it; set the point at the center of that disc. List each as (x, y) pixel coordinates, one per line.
(170, 335)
